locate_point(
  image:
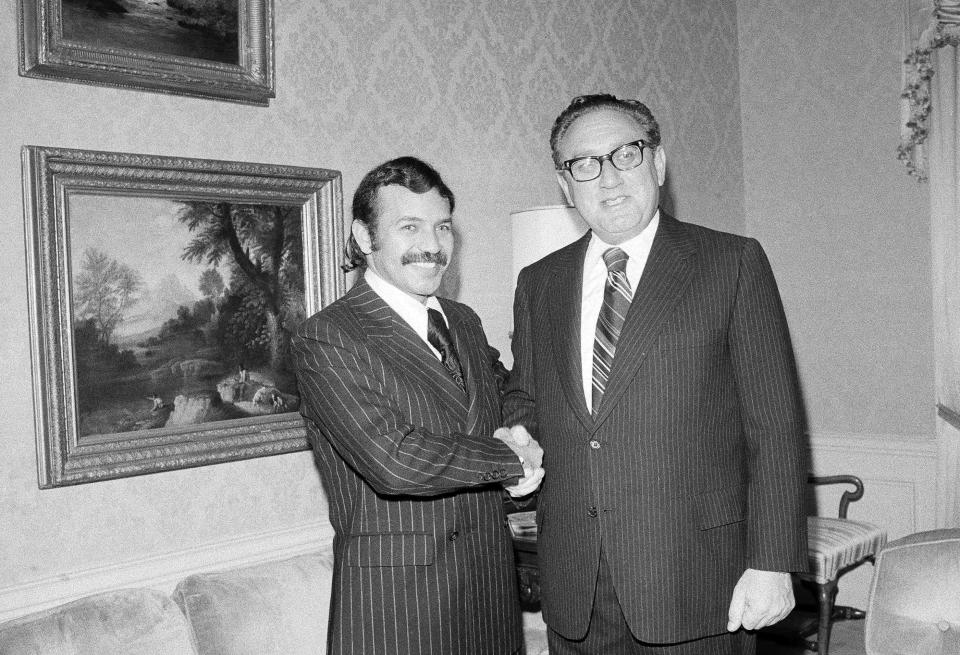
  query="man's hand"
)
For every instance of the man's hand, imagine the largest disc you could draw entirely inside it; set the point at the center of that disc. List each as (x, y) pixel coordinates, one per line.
(528, 483)
(525, 446)
(531, 457)
(761, 598)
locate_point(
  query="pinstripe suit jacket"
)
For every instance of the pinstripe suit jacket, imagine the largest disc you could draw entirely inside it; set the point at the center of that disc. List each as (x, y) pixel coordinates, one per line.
(422, 556)
(692, 470)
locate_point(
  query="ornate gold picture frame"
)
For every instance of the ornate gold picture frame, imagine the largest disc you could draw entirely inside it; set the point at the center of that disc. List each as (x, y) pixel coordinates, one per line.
(163, 294)
(218, 49)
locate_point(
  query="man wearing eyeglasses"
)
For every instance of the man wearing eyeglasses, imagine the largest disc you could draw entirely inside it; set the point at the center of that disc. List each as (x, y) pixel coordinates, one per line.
(654, 365)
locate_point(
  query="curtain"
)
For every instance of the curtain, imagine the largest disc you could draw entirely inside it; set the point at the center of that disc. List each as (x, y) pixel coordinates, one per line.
(930, 149)
(943, 154)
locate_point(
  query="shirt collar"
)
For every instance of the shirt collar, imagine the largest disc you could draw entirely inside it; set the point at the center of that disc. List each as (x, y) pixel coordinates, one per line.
(636, 247)
(410, 309)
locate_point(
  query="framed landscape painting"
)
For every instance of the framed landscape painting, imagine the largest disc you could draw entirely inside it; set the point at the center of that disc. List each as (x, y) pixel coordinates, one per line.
(163, 296)
(221, 49)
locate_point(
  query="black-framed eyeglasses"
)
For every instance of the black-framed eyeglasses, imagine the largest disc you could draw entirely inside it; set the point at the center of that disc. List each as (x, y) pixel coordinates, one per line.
(623, 158)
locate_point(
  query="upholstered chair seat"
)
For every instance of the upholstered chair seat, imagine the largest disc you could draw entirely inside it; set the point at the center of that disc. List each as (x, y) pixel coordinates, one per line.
(836, 544)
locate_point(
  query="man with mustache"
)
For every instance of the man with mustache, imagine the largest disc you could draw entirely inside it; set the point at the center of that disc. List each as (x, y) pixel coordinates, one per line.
(401, 398)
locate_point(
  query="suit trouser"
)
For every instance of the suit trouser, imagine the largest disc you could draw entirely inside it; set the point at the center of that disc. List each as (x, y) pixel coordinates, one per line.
(608, 633)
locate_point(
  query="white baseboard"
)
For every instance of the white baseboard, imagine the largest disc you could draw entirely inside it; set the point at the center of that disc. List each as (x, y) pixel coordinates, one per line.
(163, 571)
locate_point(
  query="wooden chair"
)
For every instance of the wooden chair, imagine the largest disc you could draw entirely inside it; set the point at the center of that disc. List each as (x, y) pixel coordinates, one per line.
(835, 545)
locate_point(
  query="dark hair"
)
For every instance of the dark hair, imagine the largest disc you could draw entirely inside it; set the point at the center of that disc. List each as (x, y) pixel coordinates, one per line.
(409, 172)
(588, 103)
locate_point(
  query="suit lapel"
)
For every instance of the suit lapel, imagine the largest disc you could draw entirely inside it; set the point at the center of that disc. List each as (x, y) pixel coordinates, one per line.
(667, 274)
(400, 345)
(564, 311)
(472, 360)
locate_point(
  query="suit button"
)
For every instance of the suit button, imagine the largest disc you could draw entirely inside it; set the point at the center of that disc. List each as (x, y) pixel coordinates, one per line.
(594, 444)
(592, 512)
(453, 535)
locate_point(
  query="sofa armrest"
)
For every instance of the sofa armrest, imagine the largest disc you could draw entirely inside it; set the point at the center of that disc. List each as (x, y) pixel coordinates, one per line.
(122, 622)
(275, 608)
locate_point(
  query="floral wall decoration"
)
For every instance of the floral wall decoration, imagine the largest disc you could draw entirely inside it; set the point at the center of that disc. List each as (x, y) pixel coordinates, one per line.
(942, 30)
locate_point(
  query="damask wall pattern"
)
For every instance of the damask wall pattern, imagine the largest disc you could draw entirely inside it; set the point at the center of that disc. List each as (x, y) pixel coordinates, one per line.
(470, 85)
(437, 72)
(474, 87)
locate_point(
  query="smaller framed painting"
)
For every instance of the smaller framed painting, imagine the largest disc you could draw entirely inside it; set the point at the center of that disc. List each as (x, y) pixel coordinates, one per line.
(163, 296)
(218, 49)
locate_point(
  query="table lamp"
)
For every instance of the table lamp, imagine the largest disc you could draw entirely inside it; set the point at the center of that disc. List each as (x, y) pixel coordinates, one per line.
(541, 230)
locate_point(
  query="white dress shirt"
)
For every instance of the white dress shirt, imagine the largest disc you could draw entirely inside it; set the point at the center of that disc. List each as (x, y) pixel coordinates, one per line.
(594, 280)
(410, 309)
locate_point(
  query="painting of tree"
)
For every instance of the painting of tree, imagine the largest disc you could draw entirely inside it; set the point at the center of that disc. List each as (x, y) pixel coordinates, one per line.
(191, 324)
(163, 294)
(104, 290)
(264, 248)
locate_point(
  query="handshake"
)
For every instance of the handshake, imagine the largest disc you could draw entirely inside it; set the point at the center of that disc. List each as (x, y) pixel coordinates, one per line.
(531, 457)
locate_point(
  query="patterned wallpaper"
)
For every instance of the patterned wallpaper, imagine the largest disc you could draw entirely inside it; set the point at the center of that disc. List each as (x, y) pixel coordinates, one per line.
(471, 86)
(474, 88)
(435, 72)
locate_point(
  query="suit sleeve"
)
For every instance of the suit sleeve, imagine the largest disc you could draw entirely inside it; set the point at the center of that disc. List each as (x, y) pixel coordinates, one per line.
(519, 397)
(772, 415)
(342, 390)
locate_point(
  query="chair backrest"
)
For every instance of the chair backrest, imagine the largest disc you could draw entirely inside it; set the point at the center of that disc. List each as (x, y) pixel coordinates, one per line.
(914, 604)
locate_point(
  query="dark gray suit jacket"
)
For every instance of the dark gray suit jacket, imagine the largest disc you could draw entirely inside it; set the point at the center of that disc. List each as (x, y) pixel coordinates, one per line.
(697, 462)
(422, 556)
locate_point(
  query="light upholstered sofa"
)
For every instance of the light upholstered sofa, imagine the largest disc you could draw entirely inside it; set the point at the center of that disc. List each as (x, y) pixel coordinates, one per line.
(273, 608)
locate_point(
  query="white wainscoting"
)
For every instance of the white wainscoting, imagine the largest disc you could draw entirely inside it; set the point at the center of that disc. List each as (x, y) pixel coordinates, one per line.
(899, 475)
(162, 572)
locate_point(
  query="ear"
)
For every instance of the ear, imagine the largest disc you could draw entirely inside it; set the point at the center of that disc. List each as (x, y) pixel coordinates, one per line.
(362, 235)
(660, 163)
(564, 186)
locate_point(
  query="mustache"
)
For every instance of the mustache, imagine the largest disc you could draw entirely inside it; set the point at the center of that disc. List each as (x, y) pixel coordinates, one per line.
(438, 257)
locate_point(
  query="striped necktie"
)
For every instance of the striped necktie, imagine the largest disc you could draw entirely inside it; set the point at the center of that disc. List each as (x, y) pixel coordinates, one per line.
(616, 302)
(439, 337)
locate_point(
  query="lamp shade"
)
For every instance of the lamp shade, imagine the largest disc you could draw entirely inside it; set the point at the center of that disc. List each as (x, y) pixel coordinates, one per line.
(539, 231)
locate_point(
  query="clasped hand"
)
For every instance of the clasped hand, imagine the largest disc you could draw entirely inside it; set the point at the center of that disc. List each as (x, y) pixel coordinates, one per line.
(531, 457)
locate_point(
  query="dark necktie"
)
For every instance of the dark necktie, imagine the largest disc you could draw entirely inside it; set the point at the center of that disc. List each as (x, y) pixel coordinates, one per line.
(616, 303)
(439, 337)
